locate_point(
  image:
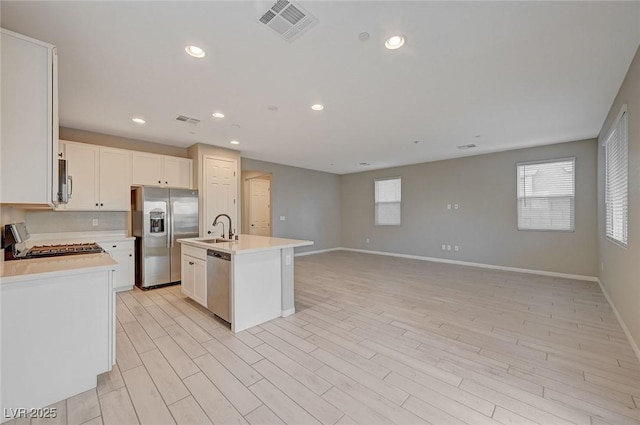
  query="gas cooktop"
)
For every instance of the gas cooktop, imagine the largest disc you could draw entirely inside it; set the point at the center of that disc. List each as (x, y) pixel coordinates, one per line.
(59, 250)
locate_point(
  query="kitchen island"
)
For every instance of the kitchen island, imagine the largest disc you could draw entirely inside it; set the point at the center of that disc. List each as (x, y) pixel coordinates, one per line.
(260, 277)
(57, 326)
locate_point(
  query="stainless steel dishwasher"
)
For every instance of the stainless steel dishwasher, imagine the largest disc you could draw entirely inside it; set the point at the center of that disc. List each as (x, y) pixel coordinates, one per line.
(218, 283)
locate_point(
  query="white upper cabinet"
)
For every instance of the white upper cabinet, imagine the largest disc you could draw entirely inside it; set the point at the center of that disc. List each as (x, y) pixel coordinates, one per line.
(29, 116)
(83, 168)
(177, 172)
(115, 179)
(161, 170)
(147, 169)
(99, 177)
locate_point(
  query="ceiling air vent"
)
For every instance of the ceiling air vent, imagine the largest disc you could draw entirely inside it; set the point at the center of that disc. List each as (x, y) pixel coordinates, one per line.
(289, 20)
(188, 120)
(464, 147)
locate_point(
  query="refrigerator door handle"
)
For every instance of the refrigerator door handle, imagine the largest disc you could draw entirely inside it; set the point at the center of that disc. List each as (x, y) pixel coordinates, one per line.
(171, 223)
(170, 229)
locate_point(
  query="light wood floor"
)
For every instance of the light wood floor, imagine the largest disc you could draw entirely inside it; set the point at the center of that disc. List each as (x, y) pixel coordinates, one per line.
(375, 340)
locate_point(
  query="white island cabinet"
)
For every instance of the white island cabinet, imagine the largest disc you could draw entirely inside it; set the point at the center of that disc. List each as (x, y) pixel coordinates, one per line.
(261, 285)
(57, 327)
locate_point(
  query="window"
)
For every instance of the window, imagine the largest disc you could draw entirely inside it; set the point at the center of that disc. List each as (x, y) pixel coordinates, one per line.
(616, 175)
(546, 195)
(388, 197)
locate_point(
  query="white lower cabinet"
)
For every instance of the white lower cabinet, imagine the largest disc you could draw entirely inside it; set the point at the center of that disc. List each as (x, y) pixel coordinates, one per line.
(123, 252)
(57, 336)
(194, 274)
(200, 281)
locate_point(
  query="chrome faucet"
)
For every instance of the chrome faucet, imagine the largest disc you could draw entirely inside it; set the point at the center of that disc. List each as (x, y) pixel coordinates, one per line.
(215, 223)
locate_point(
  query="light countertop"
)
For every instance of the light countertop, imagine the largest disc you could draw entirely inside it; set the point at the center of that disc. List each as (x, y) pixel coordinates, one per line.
(36, 268)
(246, 244)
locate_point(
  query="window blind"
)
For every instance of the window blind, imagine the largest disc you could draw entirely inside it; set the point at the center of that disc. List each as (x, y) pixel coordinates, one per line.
(546, 195)
(388, 197)
(616, 178)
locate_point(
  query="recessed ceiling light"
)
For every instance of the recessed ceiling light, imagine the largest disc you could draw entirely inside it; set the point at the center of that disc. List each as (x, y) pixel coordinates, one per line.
(234, 142)
(217, 115)
(272, 108)
(394, 42)
(138, 120)
(317, 107)
(194, 51)
(364, 164)
(363, 36)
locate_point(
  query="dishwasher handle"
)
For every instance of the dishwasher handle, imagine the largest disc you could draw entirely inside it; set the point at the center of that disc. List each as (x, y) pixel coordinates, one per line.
(219, 255)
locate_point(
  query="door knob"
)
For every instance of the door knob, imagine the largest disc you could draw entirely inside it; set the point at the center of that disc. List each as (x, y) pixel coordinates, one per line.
(209, 232)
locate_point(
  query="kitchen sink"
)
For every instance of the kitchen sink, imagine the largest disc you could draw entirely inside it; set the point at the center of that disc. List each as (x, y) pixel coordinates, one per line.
(216, 240)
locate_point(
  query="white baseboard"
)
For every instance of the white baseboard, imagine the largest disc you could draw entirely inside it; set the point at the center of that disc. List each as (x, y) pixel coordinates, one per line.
(623, 325)
(289, 312)
(319, 251)
(484, 266)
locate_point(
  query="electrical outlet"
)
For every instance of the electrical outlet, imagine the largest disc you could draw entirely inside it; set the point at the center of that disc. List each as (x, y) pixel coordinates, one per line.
(94, 222)
(448, 206)
(444, 247)
(602, 265)
(455, 206)
(456, 248)
(367, 240)
(448, 247)
(287, 260)
(282, 218)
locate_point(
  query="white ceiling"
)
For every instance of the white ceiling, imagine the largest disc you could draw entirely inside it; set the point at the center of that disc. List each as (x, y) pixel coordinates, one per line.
(502, 75)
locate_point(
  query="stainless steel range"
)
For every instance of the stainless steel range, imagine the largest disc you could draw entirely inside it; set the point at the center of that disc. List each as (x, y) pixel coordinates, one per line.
(16, 234)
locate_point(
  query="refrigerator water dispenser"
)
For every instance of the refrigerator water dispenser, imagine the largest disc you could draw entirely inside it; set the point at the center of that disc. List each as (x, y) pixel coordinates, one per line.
(156, 222)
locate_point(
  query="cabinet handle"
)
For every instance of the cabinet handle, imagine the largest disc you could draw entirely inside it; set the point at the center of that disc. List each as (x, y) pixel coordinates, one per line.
(159, 181)
(70, 178)
(130, 255)
(101, 204)
(166, 182)
(209, 232)
(114, 246)
(96, 204)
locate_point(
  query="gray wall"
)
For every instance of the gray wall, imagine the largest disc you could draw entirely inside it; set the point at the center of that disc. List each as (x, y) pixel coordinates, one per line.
(621, 272)
(309, 200)
(484, 226)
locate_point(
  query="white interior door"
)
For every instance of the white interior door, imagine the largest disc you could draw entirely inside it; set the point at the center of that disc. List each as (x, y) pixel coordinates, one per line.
(220, 194)
(259, 207)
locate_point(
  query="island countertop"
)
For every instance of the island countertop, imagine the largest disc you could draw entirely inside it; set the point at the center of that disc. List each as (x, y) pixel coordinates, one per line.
(246, 244)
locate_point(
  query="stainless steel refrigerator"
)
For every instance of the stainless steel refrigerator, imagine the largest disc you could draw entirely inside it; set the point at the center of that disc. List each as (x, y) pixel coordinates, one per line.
(160, 217)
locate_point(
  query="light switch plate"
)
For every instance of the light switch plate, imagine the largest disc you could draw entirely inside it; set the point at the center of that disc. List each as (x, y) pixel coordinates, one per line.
(282, 218)
(94, 222)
